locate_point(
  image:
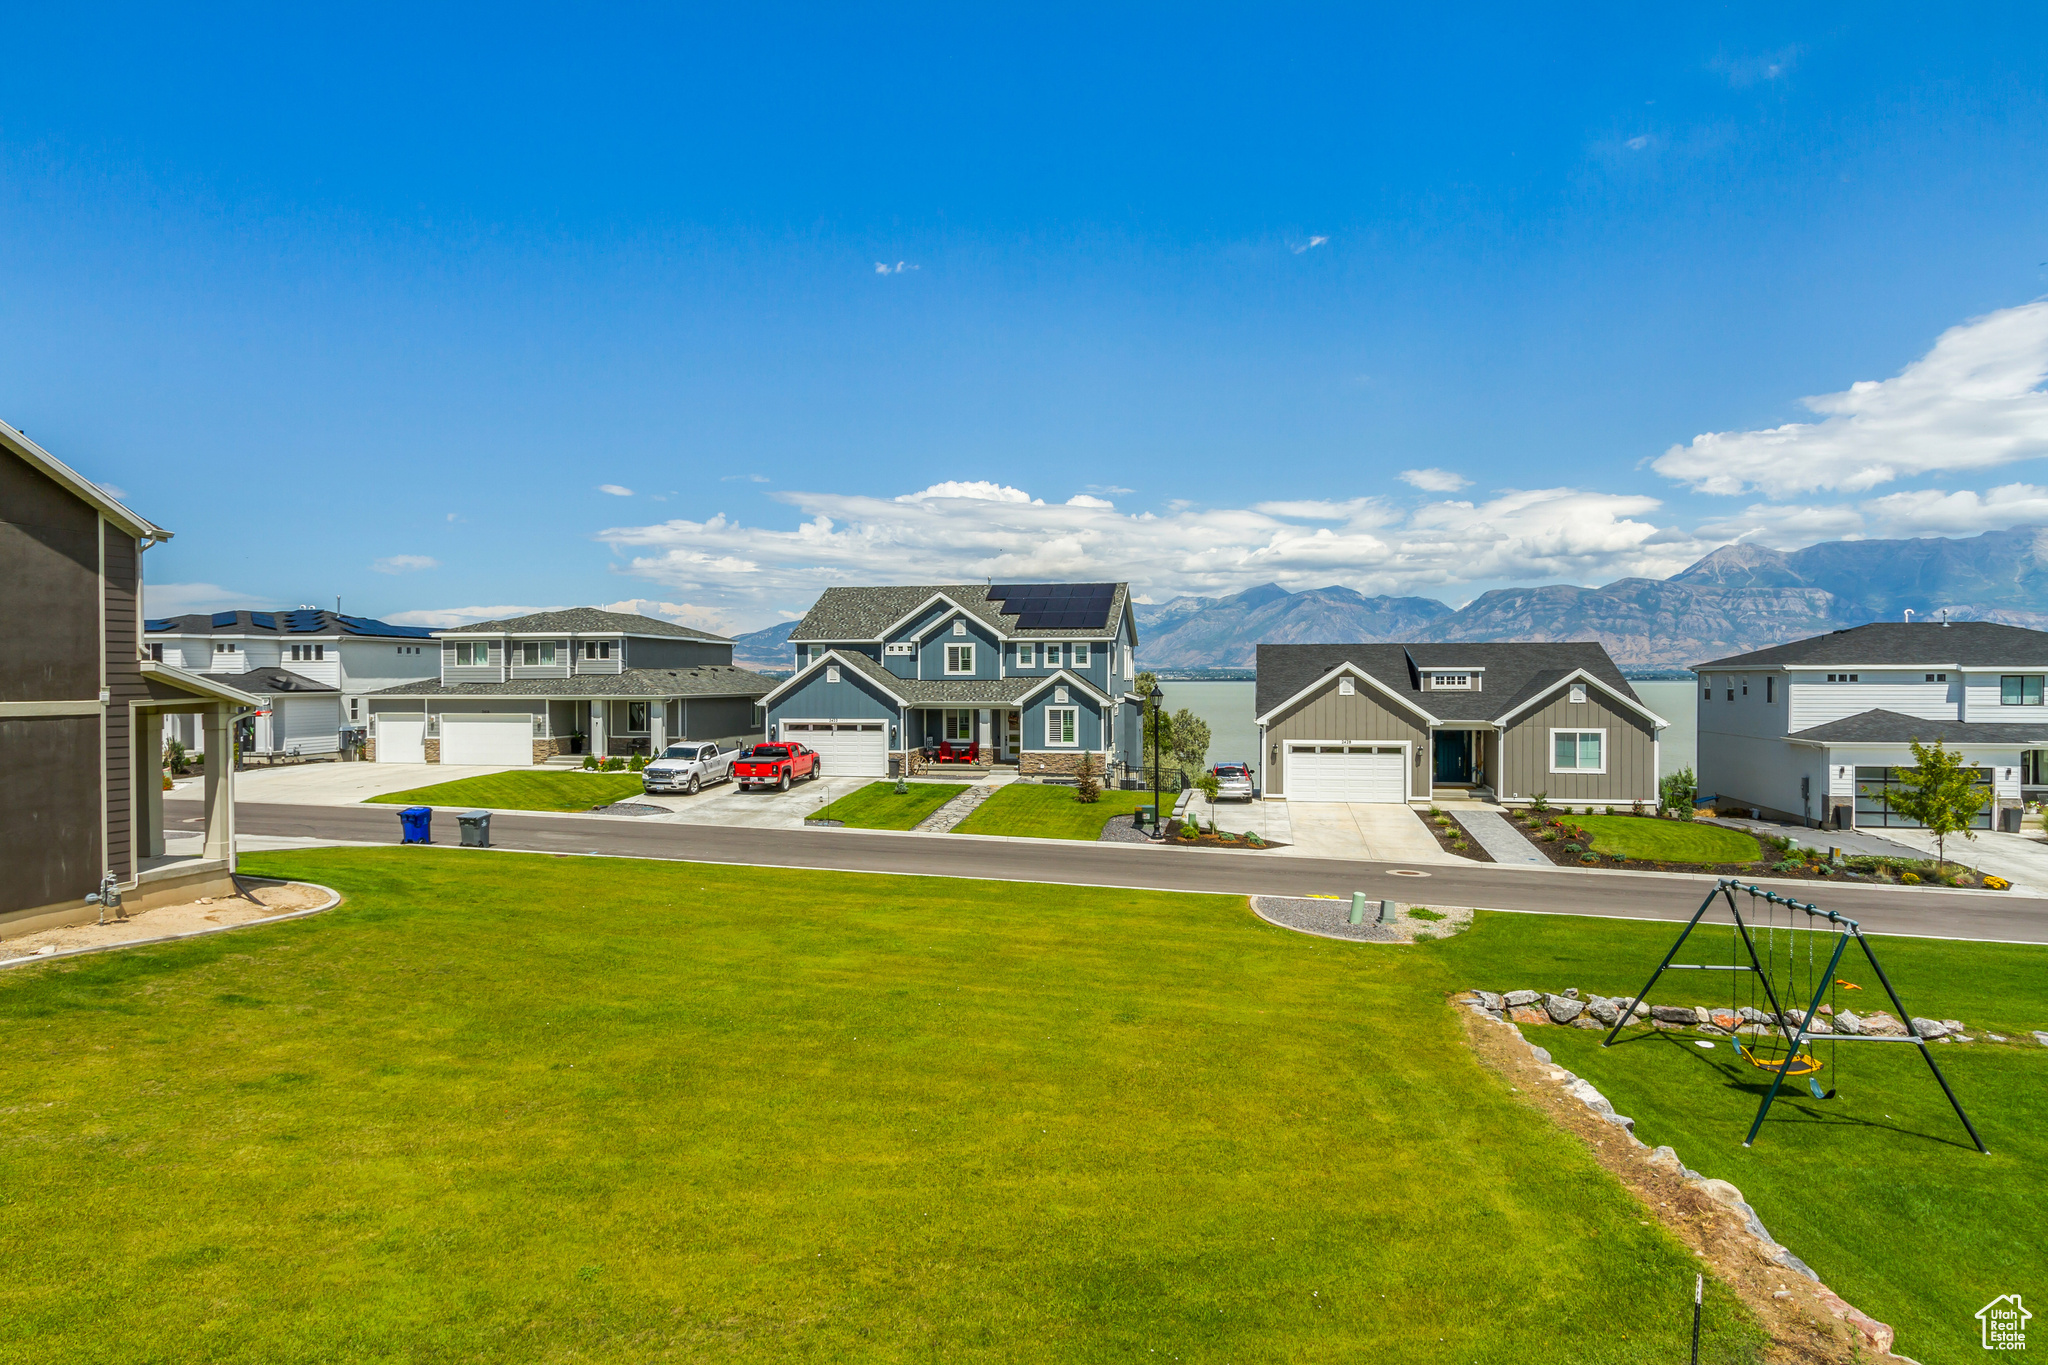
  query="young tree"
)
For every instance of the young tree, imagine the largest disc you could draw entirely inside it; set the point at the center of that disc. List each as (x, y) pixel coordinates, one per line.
(1940, 793)
(1086, 789)
(1208, 785)
(1679, 791)
(1190, 740)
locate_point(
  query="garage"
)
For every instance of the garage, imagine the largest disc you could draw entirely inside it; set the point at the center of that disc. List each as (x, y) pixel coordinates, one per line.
(401, 741)
(846, 748)
(1338, 771)
(500, 741)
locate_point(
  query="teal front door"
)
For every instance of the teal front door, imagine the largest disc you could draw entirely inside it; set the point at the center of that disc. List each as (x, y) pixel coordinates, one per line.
(1454, 756)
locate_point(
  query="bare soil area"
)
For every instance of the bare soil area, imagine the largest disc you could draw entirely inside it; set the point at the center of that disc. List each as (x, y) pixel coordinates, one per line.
(215, 912)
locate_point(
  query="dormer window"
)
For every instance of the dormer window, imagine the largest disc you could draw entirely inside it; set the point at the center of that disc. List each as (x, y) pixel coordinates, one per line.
(900, 649)
(1450, 682)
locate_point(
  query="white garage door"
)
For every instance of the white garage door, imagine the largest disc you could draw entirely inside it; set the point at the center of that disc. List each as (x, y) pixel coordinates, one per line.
(401, 741)
(846, 748)
(501, 740)
(1347, 772)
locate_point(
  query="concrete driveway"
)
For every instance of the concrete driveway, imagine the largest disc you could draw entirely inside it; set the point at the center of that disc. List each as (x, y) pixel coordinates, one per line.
(344, 784)
(2021, 859)
(1378, 832)
(726, 804)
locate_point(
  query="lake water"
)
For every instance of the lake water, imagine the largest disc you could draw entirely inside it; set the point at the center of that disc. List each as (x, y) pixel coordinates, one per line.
(1229, 708)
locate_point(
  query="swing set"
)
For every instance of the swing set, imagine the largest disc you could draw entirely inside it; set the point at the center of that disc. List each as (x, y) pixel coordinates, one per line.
(1781, 1039)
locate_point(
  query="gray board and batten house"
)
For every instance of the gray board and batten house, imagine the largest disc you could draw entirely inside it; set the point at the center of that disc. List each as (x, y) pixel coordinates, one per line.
(308, 670)
(1034, 674)
(1396, 722)
(1818, 729)
(82, 708)
(526, 689)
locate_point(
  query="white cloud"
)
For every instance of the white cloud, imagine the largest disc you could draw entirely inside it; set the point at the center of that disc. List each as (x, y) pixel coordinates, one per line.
(1087, 500)
(183, 599)
(1932, 511)
(1109, 490)
(458, 616)
(682, 613)
(1310, 245)
(884, 268)
(617, 490)
(1435, 480)
(404, 563)
(749, 478)
(1636, 144)
(1972, 402)
(943, 534)
(114, 491)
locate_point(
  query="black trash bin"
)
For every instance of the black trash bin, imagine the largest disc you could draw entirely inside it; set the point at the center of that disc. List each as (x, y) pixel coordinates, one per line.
(417, 825)
(2009, 819)
(476, 828)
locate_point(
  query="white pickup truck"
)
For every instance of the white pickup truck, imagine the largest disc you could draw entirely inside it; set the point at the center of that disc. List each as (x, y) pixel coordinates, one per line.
(686, 767)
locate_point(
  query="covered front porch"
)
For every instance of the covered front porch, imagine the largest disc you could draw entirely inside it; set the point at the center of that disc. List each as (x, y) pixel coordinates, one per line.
(173, 868)
(1462, 761)
(975, 738)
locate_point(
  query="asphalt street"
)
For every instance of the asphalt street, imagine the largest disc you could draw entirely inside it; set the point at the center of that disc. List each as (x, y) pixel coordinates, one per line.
(1549, 891)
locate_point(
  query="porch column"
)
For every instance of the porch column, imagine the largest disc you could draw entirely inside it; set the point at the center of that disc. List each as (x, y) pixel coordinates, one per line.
(597, 733)
(657, 726)
(982, 728)
(219, 722)
(149, 765)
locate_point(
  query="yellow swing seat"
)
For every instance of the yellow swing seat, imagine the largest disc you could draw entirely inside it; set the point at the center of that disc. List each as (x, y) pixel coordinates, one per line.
(1803, 1064)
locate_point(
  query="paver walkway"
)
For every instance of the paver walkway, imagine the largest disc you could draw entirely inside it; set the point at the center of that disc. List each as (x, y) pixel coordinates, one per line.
(942, 820)
(1504, 843)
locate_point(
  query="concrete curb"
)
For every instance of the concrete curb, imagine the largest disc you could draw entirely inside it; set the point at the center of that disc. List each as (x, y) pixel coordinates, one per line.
(333, 899)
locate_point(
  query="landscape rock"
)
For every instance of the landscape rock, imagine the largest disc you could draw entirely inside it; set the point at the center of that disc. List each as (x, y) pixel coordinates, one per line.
(2041, 1038)
(1604, 1010)
(1715, 1029)
(1674, 1014)
(1846, 1022)
(1819, 1025)
(1522, 1014)
(1641, 1011)
(1540, 1054)
(1571, 992)
(1996, 1037)
(1751, 1015)
(1585, 1021)
(1702, 1015)
(1591, 1098)
(1516, 999)
(1930, 1029)
(1883, 1025)
(1488, 1000)
(1621, 1121)
(1724, 1020)
(1666, 1159)
(1721, 1192)
(1563, 1009)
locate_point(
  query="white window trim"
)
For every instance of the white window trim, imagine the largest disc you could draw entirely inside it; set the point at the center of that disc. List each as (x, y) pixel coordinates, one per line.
(1073, 712)
(1078, 654)
(899, 649)
(1051, 655)
(1577, 695)
(959, 627)
(1027, 656)
(831, 673)
(1347, 686)
(1451, 682)
(959, 672)
(1578, 730)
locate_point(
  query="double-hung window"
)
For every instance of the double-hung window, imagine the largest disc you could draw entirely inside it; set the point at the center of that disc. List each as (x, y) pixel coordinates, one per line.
(1080, 653)
(1027, 656)
(957, 725)
(2020, 689)
(537, 653)
(597, 649)
(1578, 751)
(959, 658)
(471, 654)
(1052, 656)
(1062, 725)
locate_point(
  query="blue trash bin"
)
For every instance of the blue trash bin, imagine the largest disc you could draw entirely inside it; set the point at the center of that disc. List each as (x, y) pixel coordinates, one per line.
(418, 824)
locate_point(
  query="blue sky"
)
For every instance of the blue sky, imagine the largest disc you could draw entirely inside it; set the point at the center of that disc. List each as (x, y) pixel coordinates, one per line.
(377, 303)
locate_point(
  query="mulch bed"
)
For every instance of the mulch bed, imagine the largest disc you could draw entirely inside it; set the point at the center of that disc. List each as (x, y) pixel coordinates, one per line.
(1174, 838)
(1443, 835)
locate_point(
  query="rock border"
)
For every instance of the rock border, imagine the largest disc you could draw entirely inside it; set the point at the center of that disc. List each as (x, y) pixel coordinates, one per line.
(333, 899)
(1710, 1216)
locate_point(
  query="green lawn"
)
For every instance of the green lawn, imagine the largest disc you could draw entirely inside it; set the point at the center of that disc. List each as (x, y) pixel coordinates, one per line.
(877, 806)
(514, 1107)
(1667, 841)
(1879, 1189)
(1031, 811)
(570, 790)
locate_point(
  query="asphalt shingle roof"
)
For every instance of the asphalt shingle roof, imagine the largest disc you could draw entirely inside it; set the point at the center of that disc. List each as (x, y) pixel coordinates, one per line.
(1514, 672)
(584, 621)
(1959, 644)
(1891, 727)
(864, 613)
(949, 691)
(709, 680)
(269, 680)
(306, 621)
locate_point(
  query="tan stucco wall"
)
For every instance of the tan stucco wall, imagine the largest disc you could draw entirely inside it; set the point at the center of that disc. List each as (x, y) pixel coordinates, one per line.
(1325, 715)
(1631, 757)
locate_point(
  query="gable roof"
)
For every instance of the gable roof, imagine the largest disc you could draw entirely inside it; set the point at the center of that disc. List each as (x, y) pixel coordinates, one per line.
(702, 680)
(1010, 691)
(79, 486)
(1892, 727)
(584, 621)
(1911, 644)
(1513, 671)
(305, 621)
(867, 613)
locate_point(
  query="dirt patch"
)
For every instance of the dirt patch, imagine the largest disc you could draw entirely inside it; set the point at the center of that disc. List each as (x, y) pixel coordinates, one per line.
(218, 912)
(1806, 1321)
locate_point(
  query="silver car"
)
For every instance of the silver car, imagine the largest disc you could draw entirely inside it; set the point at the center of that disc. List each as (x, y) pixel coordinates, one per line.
(687, 767)
(1233, 781)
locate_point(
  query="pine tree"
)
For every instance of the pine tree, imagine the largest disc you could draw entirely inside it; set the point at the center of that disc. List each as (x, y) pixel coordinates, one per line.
(1086, 789)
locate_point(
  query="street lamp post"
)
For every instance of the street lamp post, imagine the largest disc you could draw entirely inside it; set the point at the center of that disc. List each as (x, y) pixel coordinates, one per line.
(1158, 824)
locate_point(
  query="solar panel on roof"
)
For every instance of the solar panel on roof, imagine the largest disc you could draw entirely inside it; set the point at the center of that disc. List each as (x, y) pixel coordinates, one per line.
(1056, 606)
(223, 618)
(264, 619)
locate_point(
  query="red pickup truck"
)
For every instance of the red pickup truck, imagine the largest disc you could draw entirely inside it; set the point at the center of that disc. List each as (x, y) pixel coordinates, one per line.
(775, 765)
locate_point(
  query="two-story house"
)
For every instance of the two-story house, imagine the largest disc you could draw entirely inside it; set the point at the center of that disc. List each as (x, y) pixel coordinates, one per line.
(82, 708)
(1035, 674)
(308, 670)
(525, 689)
(1400, 722)
(1817, 729)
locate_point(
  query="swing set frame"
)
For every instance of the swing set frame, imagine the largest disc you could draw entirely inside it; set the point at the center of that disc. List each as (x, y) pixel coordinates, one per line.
(1795, 1040)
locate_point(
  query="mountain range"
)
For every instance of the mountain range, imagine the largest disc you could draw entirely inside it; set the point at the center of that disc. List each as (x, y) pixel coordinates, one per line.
(1738, 598)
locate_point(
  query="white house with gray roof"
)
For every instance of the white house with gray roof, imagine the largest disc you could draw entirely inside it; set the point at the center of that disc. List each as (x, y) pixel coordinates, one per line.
(1817, 730)
(1031, 674)
(1401, 722)
(530, 688)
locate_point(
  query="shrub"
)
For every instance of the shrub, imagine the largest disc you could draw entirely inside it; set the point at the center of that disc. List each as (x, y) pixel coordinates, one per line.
(1435, 814)
(1589, 857)
(1086, 789)
(1549, 836)
(1679, 791)
(1539, 802)
(1573, 848)
(1910, 878)
(1607, 810)
(590, 763)
(636, 764)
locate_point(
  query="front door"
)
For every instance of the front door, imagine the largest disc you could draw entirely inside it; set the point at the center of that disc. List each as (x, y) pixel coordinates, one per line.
(1013, 733)
(1454, 756)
